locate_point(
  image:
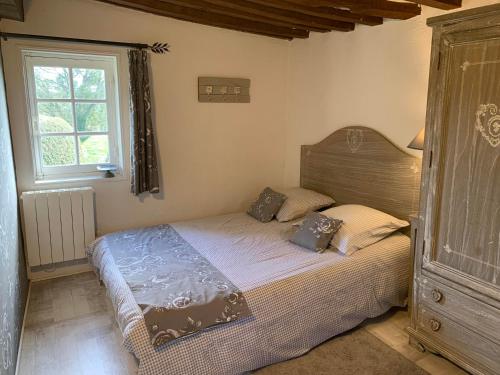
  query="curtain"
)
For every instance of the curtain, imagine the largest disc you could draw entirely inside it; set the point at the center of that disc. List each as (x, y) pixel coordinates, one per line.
(144, 166)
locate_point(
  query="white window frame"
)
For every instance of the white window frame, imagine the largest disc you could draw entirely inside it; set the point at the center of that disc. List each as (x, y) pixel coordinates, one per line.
(109, 64)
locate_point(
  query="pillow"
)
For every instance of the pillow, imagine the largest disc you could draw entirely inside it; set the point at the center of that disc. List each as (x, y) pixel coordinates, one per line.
(300, 202)
(362, 226)
(268, 204)
(316, 232)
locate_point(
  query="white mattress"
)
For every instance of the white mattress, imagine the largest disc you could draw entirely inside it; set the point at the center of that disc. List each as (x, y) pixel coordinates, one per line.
(298, 298)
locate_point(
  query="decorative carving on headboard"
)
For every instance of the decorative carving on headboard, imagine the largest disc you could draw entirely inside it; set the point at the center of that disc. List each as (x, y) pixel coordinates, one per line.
(359, 165)
(354, 139)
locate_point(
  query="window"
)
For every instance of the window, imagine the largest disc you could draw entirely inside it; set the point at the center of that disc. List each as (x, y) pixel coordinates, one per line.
(73, 102)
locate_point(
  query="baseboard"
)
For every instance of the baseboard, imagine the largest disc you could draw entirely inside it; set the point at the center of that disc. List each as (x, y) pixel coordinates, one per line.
(22, 328)
(58, 272)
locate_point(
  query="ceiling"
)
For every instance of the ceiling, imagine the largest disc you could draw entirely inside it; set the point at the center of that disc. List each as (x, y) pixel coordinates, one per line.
(285, 19)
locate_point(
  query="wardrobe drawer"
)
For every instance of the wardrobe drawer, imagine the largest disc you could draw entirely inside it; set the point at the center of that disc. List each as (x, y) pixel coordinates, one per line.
(455, 337)
(477, 315)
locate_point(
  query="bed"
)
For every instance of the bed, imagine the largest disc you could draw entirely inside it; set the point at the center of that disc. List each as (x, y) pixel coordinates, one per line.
(333, 293)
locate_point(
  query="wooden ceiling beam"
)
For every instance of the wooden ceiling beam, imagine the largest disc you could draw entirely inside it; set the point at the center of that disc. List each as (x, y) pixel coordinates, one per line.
(12, 9)
(441, 4)
(328, 13)
(210, 19)
(268, 14)
(378, 8)
(219, 7)
(286, 19)
(398, 12)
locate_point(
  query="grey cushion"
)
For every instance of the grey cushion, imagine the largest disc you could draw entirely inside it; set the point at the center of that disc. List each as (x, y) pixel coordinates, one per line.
(268, 205)
(316, 232)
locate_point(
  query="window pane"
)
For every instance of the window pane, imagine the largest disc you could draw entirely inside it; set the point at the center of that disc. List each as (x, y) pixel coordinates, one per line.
(89, 84)
(55, 117)
(52, 82)
(94, 149)
(91, 117)
(58, 150)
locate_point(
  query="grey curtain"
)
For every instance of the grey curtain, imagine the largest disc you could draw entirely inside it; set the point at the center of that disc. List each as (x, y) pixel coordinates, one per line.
(144, 164)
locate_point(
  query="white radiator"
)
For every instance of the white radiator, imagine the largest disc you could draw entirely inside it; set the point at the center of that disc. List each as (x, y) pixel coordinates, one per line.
(58, 224)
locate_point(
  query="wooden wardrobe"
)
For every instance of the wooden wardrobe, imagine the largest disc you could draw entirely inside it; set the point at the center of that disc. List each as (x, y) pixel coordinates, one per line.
(455, 309)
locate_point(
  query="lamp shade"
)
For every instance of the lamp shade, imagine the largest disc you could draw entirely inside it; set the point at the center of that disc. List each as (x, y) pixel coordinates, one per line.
(418, 141)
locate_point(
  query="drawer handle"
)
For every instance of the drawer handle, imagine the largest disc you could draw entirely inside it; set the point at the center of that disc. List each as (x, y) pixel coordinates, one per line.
(435, 324)
(437, 295)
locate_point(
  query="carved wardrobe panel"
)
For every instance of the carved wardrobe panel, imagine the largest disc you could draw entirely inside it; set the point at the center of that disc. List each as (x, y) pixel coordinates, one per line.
(467, 219)
(456, 287)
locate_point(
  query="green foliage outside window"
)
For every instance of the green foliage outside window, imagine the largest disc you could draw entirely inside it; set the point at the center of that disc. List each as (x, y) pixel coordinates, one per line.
(57, 117)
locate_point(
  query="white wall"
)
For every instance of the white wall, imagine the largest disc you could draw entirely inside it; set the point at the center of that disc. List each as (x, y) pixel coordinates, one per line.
(214, 157)
(375, 76)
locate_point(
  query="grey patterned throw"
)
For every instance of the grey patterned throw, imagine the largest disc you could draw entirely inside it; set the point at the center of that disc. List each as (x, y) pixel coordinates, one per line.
(178, 290)
(267, 206)
(316, 232)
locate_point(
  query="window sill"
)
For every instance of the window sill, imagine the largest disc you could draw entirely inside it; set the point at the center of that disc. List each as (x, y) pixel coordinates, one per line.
(80, 179)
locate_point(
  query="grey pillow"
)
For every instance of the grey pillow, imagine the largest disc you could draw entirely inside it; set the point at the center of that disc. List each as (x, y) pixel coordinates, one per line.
(362, 226)
(300, 202)
(316, 232)
(268, 205)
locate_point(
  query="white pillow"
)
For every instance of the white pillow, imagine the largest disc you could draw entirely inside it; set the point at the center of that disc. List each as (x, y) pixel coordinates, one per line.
(300, 202)
(362, 227)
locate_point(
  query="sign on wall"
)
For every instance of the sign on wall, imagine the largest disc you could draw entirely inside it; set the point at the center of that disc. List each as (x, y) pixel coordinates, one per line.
(223, 90)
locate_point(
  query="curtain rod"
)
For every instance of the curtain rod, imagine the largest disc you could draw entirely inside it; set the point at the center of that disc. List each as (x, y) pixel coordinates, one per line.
(156, 47)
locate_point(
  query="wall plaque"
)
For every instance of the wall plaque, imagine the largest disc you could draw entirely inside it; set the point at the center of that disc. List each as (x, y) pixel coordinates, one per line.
(223, 90)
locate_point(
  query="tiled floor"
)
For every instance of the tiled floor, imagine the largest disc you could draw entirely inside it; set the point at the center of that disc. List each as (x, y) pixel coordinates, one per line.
(390, 328)
(70, 329)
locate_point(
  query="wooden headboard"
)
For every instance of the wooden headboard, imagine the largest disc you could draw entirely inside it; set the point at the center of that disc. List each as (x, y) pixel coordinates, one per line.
(359, 165)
